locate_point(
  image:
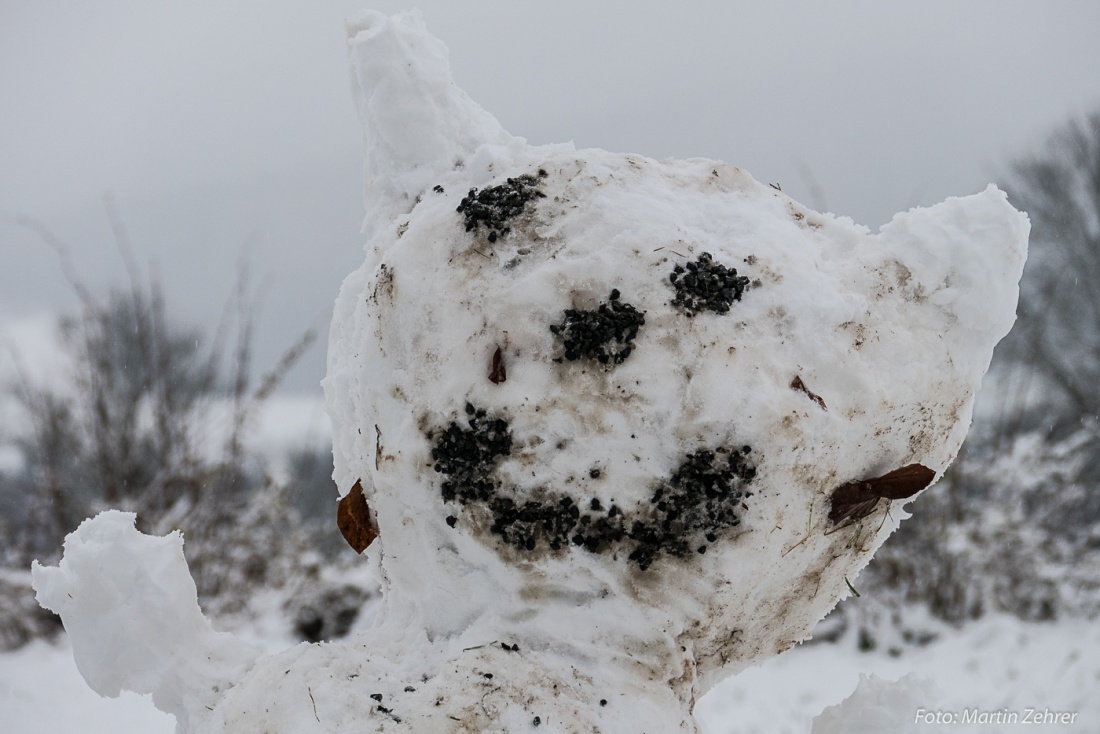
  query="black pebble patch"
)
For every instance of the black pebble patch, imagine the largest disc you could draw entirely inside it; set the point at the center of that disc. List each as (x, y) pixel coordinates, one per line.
(689, 509)
(701, 499)
(494, 206)
(468, 456)
(605, 334)
(706, 285)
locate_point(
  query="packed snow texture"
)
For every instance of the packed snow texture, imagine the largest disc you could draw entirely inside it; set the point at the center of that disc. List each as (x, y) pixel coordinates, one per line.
(129, 605)
(598, 405)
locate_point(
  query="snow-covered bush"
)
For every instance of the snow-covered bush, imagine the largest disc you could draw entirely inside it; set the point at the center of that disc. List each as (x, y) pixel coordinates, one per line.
(264, 548)
(324, 609)
(1054, 349)
(22, 619)
(311, 493)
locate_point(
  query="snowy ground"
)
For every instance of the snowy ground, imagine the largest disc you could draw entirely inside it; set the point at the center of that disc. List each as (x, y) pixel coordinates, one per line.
(993, 665)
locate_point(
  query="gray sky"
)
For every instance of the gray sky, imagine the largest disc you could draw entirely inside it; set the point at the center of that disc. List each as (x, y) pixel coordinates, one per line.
(221, 127)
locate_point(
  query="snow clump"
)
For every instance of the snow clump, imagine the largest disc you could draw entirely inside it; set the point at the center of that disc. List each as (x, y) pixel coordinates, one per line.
(130, 607)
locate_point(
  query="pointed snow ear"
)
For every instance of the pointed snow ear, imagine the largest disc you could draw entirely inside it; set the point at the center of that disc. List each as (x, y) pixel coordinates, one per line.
(353, 518)
(417, 125)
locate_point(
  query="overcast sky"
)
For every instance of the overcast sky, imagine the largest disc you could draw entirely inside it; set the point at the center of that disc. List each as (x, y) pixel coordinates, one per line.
(224, 127)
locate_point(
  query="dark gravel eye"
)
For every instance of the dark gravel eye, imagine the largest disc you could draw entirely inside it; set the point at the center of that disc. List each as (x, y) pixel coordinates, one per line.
(605, 334)
(494, 206)
(706, 285)
(468, 456)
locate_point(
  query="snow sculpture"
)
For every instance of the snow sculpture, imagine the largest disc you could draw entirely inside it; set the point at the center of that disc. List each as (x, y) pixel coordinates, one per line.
(624, 426)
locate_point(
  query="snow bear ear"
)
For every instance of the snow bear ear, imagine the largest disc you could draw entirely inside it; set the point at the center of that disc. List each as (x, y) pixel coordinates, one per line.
(417, 124)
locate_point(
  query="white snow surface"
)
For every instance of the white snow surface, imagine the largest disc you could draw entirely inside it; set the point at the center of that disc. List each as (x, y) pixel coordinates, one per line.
(889, 335)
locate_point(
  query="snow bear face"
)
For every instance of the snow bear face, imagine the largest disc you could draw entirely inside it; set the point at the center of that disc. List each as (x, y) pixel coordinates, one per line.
(684, 511)
(563, 389)
(485, 468)
(598, 381)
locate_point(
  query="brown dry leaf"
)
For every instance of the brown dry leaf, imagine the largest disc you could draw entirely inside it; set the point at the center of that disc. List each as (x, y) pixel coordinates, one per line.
(353, 517)
(497, 371)
(800, 386)
(856, 500)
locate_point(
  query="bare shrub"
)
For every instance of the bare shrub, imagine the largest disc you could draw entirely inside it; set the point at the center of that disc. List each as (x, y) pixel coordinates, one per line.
(154, 421)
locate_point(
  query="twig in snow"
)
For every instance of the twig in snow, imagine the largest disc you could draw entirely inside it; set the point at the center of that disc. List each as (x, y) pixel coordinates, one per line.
(478, 647)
